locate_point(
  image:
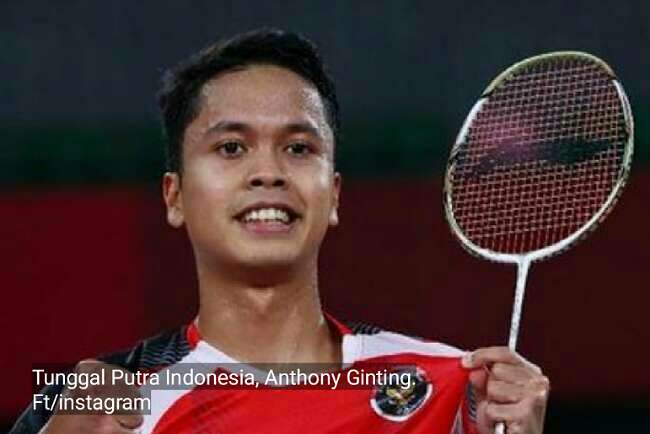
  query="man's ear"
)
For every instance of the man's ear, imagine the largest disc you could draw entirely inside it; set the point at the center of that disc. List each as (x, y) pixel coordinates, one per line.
(336, 193)
(171, 185)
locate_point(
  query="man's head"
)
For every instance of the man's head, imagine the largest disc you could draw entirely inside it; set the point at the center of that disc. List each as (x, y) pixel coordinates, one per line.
(179, 98)
(251, 125)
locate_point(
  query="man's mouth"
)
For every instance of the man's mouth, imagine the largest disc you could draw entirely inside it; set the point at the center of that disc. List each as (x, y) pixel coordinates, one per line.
(268, 218)
(267, 215)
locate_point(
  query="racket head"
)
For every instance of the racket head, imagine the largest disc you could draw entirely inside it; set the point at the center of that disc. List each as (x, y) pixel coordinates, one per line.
(541, 158)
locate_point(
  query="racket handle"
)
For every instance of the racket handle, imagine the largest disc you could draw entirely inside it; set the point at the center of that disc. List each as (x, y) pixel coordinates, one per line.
(500, 428)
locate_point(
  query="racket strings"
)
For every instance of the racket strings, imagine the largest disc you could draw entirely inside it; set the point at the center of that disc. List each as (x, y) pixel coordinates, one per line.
(541, 157)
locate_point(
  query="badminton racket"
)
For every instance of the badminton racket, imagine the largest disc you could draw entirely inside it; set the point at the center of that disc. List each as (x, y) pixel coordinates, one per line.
(539, 162)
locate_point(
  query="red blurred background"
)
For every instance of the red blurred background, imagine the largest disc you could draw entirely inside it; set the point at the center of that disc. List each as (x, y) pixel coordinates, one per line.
(93, 270)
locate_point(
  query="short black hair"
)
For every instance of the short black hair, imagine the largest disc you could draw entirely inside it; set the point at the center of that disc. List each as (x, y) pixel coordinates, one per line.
(178, 98)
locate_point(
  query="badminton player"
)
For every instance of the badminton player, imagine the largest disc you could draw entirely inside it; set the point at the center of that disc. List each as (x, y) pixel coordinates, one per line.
(251, 126)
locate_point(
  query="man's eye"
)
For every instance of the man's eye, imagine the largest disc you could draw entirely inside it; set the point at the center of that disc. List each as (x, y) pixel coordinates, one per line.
(299, 149)
(231, 149)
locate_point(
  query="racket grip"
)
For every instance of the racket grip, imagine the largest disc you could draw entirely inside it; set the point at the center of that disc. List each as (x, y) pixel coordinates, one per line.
(500, 428)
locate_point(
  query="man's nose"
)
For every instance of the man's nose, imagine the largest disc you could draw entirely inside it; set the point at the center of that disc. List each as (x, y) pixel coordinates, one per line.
(267, 172)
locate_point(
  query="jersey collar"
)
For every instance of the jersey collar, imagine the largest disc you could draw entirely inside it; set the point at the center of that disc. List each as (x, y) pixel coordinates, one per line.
(349, 345)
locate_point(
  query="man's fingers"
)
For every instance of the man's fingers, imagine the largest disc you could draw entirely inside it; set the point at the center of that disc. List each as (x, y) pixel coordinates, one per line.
(503, 392)
(129, 421)
(495, 413)
(518, 374)
(86, 423)
(112, 383)
(524, 415)
(486, 357)
(116, 381)
(489, 414)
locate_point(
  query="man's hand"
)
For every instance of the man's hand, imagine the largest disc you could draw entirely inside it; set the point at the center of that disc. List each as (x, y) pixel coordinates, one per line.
(96, 422)
(508, 389)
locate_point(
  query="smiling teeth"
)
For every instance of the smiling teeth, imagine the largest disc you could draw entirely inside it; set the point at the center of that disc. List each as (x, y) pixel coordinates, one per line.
(267, 214)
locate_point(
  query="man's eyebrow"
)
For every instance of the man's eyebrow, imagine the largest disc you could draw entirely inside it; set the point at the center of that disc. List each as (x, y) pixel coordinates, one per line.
(235, 126)
(228, 126)
(303, 127)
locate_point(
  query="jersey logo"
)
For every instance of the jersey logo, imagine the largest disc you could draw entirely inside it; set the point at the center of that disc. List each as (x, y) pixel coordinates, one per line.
(403, 395)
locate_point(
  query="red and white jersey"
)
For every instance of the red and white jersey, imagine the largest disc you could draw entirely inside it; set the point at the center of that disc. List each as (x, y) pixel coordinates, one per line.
(435, 399)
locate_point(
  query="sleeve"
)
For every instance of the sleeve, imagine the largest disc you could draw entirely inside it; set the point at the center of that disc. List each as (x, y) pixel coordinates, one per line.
(165, 348)
(32, 421)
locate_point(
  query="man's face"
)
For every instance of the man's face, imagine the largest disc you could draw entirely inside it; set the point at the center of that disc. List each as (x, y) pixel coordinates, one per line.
(258, 187)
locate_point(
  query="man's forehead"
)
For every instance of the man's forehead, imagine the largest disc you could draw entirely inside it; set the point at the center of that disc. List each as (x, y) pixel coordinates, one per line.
(261, 87)
(260, 95)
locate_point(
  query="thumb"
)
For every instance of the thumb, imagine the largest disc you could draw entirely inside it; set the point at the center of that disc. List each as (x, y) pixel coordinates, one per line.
(129, 421)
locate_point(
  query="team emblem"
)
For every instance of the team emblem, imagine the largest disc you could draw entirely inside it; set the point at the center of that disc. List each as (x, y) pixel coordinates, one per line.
(403, 395)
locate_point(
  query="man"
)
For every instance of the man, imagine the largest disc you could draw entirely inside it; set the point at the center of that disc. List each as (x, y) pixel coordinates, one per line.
(251, 125)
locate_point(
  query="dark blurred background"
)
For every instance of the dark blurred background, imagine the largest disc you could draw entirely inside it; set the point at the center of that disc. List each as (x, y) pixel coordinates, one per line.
(89, 265)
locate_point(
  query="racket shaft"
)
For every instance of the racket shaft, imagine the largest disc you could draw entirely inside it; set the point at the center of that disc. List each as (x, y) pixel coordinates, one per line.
(518, 304)
(515, 320)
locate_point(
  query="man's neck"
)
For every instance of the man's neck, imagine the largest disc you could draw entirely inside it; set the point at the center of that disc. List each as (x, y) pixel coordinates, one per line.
(277, 323)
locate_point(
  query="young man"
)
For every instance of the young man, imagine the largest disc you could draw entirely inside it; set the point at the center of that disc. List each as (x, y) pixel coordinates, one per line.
(251, 125)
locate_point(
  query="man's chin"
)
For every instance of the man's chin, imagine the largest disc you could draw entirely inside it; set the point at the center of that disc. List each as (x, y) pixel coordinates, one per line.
(270, 261)
(268, 254)
(269, 270)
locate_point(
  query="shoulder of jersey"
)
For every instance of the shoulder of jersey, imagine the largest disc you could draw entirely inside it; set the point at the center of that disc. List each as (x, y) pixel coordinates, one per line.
(368, 341)
(154, 353)
(374, 342)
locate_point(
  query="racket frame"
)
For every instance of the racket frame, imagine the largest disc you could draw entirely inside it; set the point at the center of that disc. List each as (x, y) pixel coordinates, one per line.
(592, 223)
